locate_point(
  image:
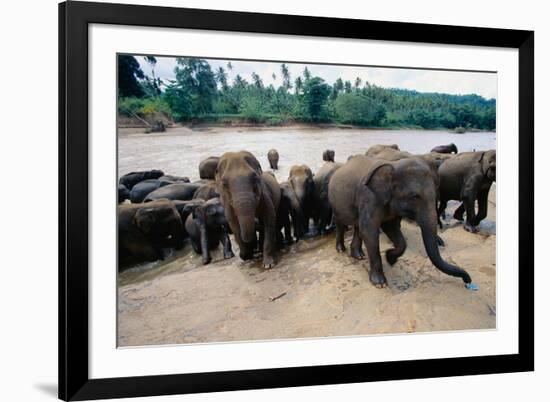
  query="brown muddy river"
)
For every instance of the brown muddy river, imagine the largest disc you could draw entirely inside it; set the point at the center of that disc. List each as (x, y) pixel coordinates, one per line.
(312, 291)
(179, 151)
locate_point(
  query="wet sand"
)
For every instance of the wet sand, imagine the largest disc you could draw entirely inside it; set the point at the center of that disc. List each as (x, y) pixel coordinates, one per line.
(313, 291)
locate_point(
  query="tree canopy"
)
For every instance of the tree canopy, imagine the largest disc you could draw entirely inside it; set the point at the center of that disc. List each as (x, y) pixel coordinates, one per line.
(199, 92)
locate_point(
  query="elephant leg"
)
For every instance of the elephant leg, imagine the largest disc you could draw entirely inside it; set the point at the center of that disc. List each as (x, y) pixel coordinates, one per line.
(370, 233)
(226, 242)
(196, 246)
(459, 213)
(356, 251)
(288, 232)
(340, 229)
(482, 200)
(270, 224)
(469, 203)
(441, 209)
(393, 231)
(206, 258)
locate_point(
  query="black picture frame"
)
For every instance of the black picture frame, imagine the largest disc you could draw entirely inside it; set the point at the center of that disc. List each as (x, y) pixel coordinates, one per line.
(74, 18)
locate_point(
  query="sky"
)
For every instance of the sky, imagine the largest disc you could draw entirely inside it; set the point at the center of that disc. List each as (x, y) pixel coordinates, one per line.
(451, 82)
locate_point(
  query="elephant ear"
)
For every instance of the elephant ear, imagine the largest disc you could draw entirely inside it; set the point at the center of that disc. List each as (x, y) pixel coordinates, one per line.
(145, 220)
(380, 181)
(253, 162)
(220, 168)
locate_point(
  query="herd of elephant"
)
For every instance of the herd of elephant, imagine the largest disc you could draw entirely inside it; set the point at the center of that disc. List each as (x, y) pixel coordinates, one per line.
(370, 193)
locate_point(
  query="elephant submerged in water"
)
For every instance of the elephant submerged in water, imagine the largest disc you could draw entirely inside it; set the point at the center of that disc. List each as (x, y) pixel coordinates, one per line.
(145, 229)
(370, 194)
(273, 158)
(248, 194)
(446, 149)
(131, 179)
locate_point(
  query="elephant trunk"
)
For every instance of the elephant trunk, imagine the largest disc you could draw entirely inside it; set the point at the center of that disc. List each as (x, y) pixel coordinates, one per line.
(204, 244)
(429, 236)
(245, 209)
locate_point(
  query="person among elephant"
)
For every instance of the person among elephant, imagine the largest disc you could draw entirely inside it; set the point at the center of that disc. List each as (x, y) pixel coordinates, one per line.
(207, 226)
(328, 155)
(370, 194)
(207, 167)
(321, 211)
(145, 229)
(175, 179)
(145, 187)
(131, 179)
(273, 158)
(207, 191)
(445, 149)
(123, 193)
(468, 177)
(289, 215)
(174, 191)
(247, 193)
(300, 178)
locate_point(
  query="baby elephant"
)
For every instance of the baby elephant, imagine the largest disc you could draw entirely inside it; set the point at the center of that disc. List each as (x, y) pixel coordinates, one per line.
(446, 149)
(273, 158)
(328, 155)
(207, 227)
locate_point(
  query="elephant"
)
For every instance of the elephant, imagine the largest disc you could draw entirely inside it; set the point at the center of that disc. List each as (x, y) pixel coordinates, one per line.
(207, 227)
(373, 150)
(145, 187)
(131, 179)
(445, 149)
(247, 193)
(370, 194)
(185, 208)
(322, 212)
(175, 191)
(175, 179)
(207, 167)
(468, 177)
(145, 229)
(300, 178)
(273, 158)
(207, 191)
(123, 193)
(328, 155)
(289, 208)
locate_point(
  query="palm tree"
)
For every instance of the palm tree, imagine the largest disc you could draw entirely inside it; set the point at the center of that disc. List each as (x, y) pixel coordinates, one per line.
(307, 74)
(358, 82)
(221, 76)
(298, 84)
(274, 76)
(229, 66)
(286, 76)
(257, 81)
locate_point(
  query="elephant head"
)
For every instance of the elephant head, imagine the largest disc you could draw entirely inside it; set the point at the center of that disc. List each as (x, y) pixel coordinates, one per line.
(161, 223)
(239, 181)
(488, 164)
(328, 155)
(407, 187)
(301, 181)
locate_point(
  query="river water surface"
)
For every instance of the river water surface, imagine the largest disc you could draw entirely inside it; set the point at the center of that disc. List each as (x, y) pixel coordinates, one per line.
(179, 151)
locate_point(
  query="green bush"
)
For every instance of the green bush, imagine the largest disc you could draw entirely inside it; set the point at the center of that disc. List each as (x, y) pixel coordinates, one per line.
(252, 110)
(355, 108)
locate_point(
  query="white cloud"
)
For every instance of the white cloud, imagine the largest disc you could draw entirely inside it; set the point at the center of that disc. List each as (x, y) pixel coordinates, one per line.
(452, 82)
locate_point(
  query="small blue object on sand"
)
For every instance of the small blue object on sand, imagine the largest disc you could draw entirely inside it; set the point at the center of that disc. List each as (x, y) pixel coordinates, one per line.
(472, 286)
